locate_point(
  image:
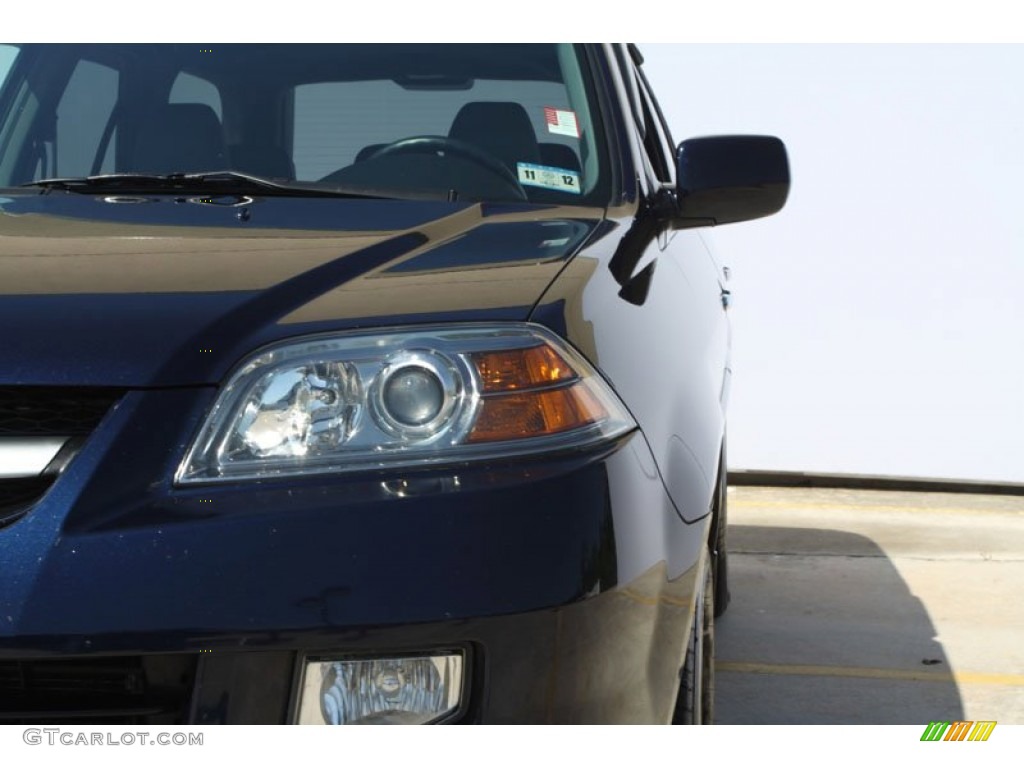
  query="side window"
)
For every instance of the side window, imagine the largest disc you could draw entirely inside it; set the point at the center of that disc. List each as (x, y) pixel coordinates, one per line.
(656, 139)
(83, 114)
(189, 89)
(668, 145)
(659, 153)
(629, 78)
(8, 53)
(20, 152)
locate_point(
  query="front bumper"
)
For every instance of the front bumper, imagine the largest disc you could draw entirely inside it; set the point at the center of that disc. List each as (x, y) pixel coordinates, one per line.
(567, 581)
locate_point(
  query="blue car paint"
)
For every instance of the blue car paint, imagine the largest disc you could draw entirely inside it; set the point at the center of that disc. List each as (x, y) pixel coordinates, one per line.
(567, 579)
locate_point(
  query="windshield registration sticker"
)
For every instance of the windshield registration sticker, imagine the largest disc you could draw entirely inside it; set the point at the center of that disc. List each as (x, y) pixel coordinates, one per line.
(549, 177)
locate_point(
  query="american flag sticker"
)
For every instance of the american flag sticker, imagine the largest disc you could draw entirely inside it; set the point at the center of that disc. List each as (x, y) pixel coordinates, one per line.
(561, 121)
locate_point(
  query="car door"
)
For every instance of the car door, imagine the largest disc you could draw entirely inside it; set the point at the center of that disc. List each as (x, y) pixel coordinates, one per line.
(687, 434)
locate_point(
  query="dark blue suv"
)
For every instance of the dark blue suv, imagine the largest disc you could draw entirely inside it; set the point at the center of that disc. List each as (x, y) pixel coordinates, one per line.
(360, 384)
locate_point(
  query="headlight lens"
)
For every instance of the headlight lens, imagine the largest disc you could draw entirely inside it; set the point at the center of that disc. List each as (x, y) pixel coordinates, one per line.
(416, 393)
(402, 398)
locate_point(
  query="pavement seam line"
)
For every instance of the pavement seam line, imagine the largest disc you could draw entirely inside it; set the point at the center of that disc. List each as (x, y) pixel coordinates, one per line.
(883, 508)
(946, 559)
(813, 670)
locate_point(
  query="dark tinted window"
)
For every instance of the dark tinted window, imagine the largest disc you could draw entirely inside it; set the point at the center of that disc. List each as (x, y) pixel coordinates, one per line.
(481, 121)
(8, 53)
(83, 113)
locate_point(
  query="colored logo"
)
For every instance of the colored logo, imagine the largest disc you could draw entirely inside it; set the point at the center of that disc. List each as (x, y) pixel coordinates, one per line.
(960, 730)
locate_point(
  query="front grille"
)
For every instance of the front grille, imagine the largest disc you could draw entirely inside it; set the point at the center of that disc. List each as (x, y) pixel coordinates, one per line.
(69, 412)
(121, 690)
(53, 411)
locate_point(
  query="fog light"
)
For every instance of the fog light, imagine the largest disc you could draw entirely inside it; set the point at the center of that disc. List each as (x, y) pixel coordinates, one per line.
(411, 690)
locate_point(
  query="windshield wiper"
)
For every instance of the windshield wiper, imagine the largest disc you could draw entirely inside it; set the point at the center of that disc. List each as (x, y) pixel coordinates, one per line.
(226, 182)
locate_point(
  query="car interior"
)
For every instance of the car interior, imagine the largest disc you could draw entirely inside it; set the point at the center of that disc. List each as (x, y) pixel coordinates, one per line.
(466, 123)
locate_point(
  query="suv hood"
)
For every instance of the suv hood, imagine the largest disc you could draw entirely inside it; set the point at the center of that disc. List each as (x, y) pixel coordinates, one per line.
(159, 291)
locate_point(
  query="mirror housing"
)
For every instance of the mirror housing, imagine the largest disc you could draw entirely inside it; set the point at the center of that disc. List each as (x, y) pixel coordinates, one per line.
(724, 179)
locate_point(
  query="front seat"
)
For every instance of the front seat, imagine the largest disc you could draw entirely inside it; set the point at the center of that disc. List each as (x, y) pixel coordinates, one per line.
(559, 156)
(180, 138)
(500, 128)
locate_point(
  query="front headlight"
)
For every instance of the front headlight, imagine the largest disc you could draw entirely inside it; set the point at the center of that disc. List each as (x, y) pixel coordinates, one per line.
(408, 397)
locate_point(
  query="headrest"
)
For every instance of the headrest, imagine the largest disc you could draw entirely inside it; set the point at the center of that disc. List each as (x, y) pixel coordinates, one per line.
(183, 138)
(501, 128)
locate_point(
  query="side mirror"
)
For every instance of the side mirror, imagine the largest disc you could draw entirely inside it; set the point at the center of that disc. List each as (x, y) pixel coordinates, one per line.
(724, 179)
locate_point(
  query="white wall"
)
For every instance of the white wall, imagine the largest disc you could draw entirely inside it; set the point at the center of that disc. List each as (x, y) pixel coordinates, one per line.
(879, 319)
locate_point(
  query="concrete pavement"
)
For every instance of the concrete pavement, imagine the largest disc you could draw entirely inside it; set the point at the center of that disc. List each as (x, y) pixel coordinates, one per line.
(872, 607)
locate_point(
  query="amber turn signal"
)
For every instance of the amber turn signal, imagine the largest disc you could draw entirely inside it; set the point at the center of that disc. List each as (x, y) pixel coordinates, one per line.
(534, 414)
(518, 369)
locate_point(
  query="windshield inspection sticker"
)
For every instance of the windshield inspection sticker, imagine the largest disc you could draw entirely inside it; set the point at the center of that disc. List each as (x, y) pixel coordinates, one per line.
(549, 177)
(561, 121)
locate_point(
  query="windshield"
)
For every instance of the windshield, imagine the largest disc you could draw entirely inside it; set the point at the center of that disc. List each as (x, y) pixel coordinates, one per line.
(473, 122)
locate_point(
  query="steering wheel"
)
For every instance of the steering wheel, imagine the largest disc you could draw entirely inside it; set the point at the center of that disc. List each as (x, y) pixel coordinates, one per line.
(458, 148)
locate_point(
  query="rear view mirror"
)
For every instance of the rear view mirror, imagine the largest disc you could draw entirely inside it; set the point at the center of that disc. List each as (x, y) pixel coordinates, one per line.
(724, 179)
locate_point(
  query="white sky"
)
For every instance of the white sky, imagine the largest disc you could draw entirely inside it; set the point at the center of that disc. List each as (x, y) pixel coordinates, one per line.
(878, 323)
